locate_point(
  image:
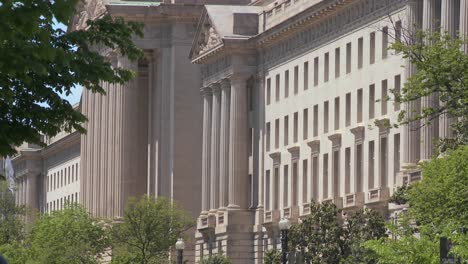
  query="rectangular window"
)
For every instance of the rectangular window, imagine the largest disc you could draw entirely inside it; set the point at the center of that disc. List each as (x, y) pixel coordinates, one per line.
(360, 52)
(276, 189)
(305, 124)
(294, 184)
(268, 133)
(267, 190)
(325, 176)
(296, 79)
(286, 130)
(277, 94)
(316, 71)
(398, 31)
(397, 91)
(268, 91)
(384, 97)
(371, 164)
(337, 113)
(286, 84)
(316, 121)
(305, 182)
(336, 173)
(315, 175)
(384, 42)
(348, 57)
(76, 168)
(325, 117)
(396, 153)
(277, 133)
(372, 48)
(326, 70)
(337, 62)
(359, 167)
(296, 127)
(285, 186)
(348, 109)
(383, 162)
(306, 75)
(347, 170)
(359, 106)
(371, 101)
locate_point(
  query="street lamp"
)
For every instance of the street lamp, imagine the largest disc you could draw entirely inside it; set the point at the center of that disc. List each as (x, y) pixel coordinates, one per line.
(180, 245)
(284, 226)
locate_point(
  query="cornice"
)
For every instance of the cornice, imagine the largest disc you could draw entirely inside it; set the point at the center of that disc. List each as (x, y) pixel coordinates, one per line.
(66, 142)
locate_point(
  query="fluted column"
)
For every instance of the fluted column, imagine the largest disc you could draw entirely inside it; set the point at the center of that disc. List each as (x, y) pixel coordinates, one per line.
(206, 149)
(238, 155)
(224, 143)
(215, 125)
(447, 26)
(464, 22)
(410, 133)
(429, 132)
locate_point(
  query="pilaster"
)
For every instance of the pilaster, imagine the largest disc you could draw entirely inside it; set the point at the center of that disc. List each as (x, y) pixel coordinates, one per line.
(215, 157)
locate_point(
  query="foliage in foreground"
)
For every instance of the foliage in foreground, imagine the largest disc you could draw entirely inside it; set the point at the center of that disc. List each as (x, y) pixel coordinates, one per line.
(215, 259)
(322, 237)
(39, 61)
(438, 207)
(149, 228)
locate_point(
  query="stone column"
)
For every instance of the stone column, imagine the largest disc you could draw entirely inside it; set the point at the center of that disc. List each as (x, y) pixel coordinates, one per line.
(410, 133)
(215, 125)
(464, 22)
(429, 132)
(238, 156)
(224, 143)
(206, 158)
(447, 25)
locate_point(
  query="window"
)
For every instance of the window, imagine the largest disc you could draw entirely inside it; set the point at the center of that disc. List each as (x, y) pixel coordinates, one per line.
(360, 52)
(325, 117)
(268, 91)
(348, 109)
(336, 173)
(305, 182)
(285, 186)
(316, 128)
(76, 168)
(337, 62)
(296, 127)
(276, 133)
(294, 184)
(296, 79)
(371, 164)
(277, 94)
(397, 92)
(384, 98)
(348, 57)
(315, 173)
(276, 189)
(326, 70)
(371, 101)
(325, 176)
(383, 162)
(347, 170)
(268, 131)
(398, 31)
(73, 173)
(286, 130)
(384, 42)
(396, 153)
(337, 113)
(359, 105)
(316, 71)
(267, 190)
(372, 48)
(306, 75)
(359, 167)
(286, 84)
(305, 124)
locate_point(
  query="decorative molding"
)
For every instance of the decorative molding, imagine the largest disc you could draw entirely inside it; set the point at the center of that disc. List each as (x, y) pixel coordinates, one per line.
(219, 69)
(87, 10)
(314, 146)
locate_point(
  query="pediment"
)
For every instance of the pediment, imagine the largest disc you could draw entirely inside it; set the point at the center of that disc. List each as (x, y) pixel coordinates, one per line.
(87, 10)
(207, 37)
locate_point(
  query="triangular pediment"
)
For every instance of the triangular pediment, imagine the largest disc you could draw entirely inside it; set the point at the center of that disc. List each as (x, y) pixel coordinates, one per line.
(207, 37)
(87, 10)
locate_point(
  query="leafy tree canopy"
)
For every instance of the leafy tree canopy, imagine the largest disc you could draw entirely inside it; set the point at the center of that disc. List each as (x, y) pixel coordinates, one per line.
(149, 228)
(323, 237)
(11, 215)
(39, 61)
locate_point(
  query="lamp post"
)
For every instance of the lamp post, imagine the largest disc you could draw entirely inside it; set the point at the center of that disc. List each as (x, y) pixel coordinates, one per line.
(284, 226)
(180, 245)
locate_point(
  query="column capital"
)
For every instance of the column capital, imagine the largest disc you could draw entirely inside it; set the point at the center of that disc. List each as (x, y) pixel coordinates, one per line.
(206, 91)
(239, 77)
(225, 83)
(216, 88)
